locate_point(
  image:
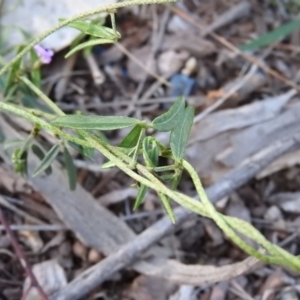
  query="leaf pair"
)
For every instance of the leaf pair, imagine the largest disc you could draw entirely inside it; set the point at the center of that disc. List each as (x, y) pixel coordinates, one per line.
(99, 34)
(178, 119)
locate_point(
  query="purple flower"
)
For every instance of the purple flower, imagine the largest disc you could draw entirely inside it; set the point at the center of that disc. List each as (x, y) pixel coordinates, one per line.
(45, 54)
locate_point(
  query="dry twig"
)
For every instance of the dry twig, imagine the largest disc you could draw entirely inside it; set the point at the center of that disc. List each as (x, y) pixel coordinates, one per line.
(22, 258)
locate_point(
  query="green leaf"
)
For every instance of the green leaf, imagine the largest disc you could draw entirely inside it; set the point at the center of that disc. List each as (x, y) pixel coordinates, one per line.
(88, 152)
(131, 139)
(19, 159)
(176, 178)
(171, 118)
(273, 36)
(89, 43)
(94, 122)
(140, 196)
(179, 136)
(41, 155)
(14, 143)
(166, 203)
(90, 28)
(71, 169)
(2, 136)
(77, 40)
(13, 72)
(150, 151)
(29, 100)
(85, 151)
(47, 161)
(35, 73)
(109, 164)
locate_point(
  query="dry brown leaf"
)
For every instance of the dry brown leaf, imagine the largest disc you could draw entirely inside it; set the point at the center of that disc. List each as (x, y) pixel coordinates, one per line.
(275, 280)
(219, 291)
(149, 288)
(32, 239)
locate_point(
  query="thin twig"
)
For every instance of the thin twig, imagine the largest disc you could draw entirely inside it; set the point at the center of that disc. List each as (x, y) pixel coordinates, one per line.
(233, 48)
(22, 258)
(231, 92)
(45, 227)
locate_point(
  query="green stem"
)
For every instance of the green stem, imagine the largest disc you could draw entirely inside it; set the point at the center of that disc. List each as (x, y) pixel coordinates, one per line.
(281, 256)
(77, 17)
(164, 168)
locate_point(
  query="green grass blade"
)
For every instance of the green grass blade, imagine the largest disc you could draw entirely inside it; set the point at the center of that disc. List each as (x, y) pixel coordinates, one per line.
(273, 36)
(131, 139)
(47, 161)
(166, 203)
(71, 169)
(41, 155)
(140, 197)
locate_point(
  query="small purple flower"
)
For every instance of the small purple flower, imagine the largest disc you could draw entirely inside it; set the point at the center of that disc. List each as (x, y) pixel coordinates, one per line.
(45, 54)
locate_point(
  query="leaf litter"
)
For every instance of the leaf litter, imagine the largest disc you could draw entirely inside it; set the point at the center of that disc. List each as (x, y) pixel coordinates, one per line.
(262, 111)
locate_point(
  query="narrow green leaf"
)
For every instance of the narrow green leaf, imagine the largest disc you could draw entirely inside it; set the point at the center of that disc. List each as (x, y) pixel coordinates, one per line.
(171, 118)
(166, 203)
(273, 36)
(179, 135)
(150, 152)
(2, 136)
(71, 169)
(19, 159)
(93, 29)
(85, 151)
(109, 164)
(47, 161)
(176, 178)
(14, 143)
(41, 155)
(132, 137)
(94, 122)
(13, 72)
(140, 196)
(89, 43)
(88, 152)
(35, 73)
(77, 40)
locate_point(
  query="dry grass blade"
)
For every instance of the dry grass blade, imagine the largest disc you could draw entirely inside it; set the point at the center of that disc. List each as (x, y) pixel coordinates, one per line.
(201, 274)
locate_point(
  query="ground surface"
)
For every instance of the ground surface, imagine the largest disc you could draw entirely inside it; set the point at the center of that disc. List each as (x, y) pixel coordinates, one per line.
(243, 105)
